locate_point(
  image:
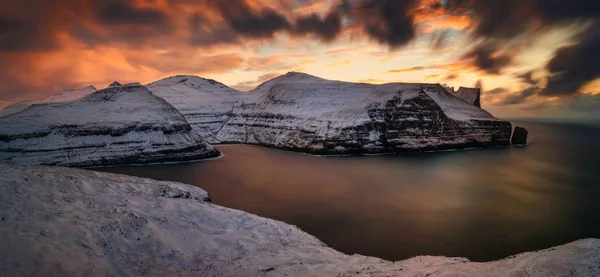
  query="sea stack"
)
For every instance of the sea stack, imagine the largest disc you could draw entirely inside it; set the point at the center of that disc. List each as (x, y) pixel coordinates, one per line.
(519, 136)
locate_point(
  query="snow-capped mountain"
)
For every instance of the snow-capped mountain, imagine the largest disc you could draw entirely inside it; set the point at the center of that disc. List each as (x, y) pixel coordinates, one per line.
(469, 95)
(70, 222)
(117, 125)
(61, 97)
(206, 104)
(305, 113)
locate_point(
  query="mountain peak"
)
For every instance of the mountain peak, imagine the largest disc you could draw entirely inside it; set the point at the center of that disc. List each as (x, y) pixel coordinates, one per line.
(114, 92)
(189, 80)
(115, 84)
(298, 74)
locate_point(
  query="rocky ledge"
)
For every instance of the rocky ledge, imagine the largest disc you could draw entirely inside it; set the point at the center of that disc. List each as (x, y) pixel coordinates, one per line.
(70, 222)
(117, 125)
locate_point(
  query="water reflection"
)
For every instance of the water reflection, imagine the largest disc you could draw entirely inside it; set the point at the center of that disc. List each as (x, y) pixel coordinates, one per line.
(483, 204)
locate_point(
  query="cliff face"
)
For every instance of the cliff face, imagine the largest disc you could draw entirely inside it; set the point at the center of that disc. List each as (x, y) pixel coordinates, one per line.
(117, 125)
(206, 104)
(309, 114)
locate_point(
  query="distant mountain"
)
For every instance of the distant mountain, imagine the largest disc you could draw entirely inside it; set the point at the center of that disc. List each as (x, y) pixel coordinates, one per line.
(117, 125)
(61, 97)
(305, 113)
(206, 104)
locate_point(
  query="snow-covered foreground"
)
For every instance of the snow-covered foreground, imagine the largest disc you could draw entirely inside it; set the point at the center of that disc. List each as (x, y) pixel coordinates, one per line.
(71, 222)
(117, 125)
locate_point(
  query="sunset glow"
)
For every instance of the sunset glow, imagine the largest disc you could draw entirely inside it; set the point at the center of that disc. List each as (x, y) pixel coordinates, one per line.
(529, 68)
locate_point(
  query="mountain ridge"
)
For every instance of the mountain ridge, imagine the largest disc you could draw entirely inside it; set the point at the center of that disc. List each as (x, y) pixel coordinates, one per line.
(117, 125)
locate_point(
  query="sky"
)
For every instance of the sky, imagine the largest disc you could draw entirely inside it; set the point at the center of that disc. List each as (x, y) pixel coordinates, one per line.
(532, 58)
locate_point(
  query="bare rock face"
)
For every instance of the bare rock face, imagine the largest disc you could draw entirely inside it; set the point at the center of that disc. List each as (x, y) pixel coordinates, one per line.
(519, 136)
(117, 125)
(469, 95)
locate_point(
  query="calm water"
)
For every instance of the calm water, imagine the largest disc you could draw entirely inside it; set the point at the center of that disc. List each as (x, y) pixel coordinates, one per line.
(480, 204)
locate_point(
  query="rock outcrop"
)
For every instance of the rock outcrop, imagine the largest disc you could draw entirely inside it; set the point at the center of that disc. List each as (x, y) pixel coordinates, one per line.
(70, 222)
(206, 104)
(305, 113)
(115, 84)
(117, 125)
(61, 97)
(519, 137)
(469, 95)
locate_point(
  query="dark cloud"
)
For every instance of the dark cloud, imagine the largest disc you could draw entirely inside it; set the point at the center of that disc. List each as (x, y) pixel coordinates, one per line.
(36, 25)
(121, 13)
(248, 22)
(572, 67)
(508, 19)
(496, 91)
(518, 98)
(519, 22)
(527, 77)
(204, 32)
(388, 21)
(488, 58)
(327, 28)
(21, 35)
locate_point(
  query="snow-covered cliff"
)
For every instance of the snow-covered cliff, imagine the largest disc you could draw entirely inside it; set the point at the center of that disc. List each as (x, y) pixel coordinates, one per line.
(70, 222)
(206, 104)
(117, 125)
(305, 113)
(61, 97)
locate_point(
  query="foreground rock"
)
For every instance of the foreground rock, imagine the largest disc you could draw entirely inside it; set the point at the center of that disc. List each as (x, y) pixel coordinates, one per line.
(305, 113)
(61, 97)
(519, 136)
(117, 125)
(206, 104)
(70, 222)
